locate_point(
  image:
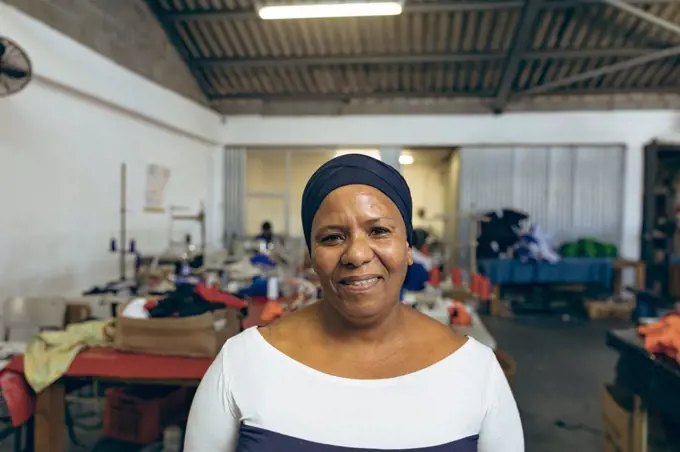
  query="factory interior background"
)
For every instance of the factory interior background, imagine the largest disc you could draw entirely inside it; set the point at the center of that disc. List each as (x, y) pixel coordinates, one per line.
(144, 143)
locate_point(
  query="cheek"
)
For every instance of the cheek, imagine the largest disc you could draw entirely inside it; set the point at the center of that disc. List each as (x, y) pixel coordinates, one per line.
(394, 257)
(323, 261)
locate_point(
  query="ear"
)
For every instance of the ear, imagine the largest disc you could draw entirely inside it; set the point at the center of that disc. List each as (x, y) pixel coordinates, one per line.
(409, 256)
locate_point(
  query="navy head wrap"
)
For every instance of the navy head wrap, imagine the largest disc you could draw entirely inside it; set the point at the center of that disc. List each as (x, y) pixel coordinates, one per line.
(355, 169)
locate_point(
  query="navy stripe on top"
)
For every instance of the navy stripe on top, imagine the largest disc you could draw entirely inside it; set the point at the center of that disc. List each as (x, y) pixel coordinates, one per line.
(254, 439)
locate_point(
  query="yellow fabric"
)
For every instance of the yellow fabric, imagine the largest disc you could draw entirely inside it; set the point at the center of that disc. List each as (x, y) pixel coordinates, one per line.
(49, 354)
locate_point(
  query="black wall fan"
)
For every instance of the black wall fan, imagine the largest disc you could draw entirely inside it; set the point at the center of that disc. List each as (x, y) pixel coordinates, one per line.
(15, 67)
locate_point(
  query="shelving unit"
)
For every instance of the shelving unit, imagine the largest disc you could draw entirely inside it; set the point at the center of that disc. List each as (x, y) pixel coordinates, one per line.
(657, 242)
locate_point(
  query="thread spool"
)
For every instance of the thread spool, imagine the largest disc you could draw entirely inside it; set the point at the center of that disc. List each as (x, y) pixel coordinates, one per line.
(475, 283)
(457, 276)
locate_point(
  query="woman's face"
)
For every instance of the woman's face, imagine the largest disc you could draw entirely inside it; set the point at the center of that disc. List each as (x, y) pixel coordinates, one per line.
(360, 252)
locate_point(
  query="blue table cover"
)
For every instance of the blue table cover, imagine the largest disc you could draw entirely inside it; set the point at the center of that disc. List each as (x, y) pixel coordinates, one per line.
(565, 271)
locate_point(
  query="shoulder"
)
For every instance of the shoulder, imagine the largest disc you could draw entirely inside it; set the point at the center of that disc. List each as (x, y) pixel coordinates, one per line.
(291, 331)
(260, 346)
(240, 346)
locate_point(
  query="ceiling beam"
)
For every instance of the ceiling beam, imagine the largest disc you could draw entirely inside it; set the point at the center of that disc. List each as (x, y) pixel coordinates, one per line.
(347, 60)
(613, 28)
(644, 15)
(520, 43)
(249, 14)
(627, 64)
(242, 63)
(310, 97)
(397, 95)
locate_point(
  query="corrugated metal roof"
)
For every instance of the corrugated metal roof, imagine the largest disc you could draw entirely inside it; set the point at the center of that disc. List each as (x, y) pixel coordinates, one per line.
(434, 49)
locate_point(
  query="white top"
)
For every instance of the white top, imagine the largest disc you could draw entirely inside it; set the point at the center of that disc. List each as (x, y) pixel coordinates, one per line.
(255, 398)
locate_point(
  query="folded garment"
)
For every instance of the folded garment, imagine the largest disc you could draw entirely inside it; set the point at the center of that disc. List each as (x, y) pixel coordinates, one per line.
(258, 288)
(214, 295)
(50, 354)
(189, 300)
(136, 309)
(663, 336)
(263, 261)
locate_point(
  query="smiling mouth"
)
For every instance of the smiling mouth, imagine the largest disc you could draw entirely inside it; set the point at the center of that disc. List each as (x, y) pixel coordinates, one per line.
(361, 283)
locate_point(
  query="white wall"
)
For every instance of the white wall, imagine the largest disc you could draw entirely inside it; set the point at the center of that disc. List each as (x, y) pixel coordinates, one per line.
(428, 183)
(632, 129)
(62, 141)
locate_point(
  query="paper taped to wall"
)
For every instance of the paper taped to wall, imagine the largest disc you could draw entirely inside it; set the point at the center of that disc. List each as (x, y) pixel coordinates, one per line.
(157, 178)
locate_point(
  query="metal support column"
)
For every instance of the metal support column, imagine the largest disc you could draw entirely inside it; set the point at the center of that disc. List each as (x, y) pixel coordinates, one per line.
(390, 155)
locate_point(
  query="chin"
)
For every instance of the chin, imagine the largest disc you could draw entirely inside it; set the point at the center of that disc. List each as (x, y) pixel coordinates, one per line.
(363, 310)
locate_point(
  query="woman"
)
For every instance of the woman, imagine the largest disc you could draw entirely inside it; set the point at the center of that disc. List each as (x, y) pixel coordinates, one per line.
(358, 371)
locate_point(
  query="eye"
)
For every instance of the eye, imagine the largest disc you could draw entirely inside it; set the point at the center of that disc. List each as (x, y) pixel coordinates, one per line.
(331, 238)
(379, 231)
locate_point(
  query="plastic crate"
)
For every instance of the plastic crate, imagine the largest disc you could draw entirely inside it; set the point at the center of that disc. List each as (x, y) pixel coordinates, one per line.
(139, 415)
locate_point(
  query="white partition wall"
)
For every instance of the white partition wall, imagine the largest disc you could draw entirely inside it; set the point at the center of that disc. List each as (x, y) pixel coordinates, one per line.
(234, 191)
(570, 191)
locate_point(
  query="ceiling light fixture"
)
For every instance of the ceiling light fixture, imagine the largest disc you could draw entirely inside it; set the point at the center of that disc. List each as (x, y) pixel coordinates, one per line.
(330, 9)
(406, 159)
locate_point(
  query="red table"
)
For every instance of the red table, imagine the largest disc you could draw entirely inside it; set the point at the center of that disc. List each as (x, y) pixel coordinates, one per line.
(103, 364)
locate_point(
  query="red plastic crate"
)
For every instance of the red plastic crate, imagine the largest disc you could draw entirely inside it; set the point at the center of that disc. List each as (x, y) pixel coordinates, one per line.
(139, 416)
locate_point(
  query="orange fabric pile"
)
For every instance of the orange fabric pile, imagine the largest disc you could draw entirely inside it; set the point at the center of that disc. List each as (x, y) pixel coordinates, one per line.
(663, 336)
(459, 315)
(272, 311)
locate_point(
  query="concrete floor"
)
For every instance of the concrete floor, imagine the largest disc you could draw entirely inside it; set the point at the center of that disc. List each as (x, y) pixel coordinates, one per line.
(561, 368)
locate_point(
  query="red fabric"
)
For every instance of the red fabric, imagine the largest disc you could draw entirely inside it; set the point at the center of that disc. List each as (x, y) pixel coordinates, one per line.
(475, 281)
(435, 277)
(456, 276)
(484, 288)
(18, 395)
(214, 295)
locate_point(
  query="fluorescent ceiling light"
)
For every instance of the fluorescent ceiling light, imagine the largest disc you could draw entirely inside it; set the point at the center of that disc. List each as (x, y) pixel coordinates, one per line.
(375, 153)
(326, 10)
(406, 159)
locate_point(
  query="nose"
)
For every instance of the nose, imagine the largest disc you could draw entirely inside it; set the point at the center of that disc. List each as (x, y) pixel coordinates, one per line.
(357, 253)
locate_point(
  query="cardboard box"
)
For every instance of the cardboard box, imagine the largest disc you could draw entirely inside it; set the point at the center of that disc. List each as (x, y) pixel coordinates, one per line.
(195, 336)
(624, 421)
(609, 309)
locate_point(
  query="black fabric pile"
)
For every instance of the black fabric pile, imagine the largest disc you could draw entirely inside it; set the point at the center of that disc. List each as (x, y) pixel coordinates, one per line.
(185, 302)
(500, 233)
(114, 288)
